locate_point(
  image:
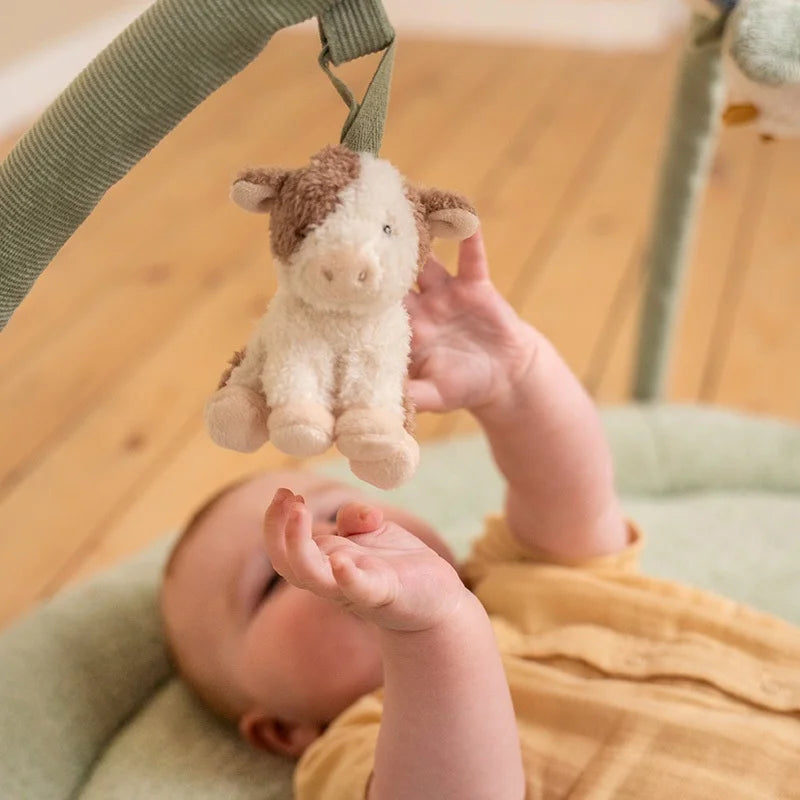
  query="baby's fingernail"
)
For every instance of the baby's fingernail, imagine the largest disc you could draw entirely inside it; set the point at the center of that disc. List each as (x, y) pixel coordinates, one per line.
(300, 499)
(364, 513)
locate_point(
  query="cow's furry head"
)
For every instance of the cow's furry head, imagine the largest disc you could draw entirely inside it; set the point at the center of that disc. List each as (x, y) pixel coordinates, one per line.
(347, 231)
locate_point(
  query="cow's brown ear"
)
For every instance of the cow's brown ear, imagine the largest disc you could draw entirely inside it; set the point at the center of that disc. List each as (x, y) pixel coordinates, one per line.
(256, 189)
(449, 215)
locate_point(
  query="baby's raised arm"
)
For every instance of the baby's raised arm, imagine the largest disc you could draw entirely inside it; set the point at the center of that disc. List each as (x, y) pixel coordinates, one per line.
(439, 653)
(472, 351)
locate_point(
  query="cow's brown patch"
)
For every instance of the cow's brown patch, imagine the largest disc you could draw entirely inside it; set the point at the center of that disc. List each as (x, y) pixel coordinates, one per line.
(424, 202)
(421, 219)
(309, 195)
(234, 362)
(274, 177)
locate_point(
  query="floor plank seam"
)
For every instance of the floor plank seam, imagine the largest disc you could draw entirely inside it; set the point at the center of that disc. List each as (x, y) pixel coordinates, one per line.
(742, 260)
(9, 481)
(586, 171)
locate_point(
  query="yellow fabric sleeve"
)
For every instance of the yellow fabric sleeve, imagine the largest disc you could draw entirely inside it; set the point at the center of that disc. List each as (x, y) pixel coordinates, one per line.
(339, 764)
(499, 546)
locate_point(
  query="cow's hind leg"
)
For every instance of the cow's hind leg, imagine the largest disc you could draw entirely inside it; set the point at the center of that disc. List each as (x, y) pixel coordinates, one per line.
(379, 448)
(236, 414)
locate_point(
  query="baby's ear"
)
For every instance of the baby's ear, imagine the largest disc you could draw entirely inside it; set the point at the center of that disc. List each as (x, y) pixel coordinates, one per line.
(449, 215)
(256, 189)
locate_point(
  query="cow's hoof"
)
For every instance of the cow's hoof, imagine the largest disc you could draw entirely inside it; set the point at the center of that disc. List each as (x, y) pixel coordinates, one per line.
(369, 434)
(236, 418)
(390, 471)
(301, 429)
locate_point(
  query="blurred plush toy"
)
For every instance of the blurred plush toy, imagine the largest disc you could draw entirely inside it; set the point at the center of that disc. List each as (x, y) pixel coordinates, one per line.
(762, 63)
(328, 361)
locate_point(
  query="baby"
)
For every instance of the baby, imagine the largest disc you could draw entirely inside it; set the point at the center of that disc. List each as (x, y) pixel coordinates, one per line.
(342, 632)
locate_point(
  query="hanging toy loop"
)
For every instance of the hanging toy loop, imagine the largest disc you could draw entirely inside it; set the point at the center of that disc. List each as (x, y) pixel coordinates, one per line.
(363, 128)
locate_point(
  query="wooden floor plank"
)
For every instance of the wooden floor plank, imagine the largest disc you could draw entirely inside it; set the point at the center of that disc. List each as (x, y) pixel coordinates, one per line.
(548, 166)
(196, 469)
(759, 356)
(66, 499)
(723, 219)
(578, 279)
(609, 379)
(59, 384)
(722, 207)
(743, 256)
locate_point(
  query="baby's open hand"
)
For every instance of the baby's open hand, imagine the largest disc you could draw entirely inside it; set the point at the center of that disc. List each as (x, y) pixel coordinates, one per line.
(468, 343)
(377, 569)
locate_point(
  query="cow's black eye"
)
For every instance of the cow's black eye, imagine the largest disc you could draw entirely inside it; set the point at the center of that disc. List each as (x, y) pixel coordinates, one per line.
(387, 229)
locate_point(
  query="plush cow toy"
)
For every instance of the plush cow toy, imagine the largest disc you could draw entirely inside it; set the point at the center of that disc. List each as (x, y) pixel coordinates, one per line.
(328, 362)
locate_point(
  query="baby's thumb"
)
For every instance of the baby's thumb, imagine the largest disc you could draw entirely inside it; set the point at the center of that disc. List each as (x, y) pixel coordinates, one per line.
(425, 395)
(355, 518)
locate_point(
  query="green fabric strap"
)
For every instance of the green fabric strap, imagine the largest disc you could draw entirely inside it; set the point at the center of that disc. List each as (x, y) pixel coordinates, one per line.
(139, 88)
(684, 175)
(363, 128)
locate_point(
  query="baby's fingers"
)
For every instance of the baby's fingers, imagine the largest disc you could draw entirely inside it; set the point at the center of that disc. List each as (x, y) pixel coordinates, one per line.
(310, 568)
(275, 530)
(425, 395)
(366, 584)
(433, 275)
(355, 518)
(472, 262)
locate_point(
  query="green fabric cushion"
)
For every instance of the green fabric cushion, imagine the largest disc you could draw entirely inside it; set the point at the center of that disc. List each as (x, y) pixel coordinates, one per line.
(90, 710)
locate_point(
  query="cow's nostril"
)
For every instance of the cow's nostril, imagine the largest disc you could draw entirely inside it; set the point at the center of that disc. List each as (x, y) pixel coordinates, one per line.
(328, 275)
(362, 276)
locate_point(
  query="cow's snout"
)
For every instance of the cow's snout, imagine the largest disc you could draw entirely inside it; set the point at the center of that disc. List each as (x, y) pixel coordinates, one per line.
(349, 272)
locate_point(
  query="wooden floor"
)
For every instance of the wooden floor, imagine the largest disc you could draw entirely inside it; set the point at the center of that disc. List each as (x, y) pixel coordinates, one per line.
(107, 364)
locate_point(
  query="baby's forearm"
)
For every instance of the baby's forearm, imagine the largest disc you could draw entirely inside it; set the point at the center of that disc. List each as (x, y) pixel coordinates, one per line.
(548, 442)
(448, 728)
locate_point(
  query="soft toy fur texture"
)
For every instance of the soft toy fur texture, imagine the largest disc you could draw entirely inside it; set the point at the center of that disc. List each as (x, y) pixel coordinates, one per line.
(762, 66)
(328, 361)
(761, 62)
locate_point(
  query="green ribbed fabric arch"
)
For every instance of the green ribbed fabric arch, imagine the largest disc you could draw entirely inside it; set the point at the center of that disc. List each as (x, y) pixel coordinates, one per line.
(137, 90)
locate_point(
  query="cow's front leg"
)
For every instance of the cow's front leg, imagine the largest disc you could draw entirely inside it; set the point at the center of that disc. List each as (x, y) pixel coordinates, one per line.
(298, 390)
(370, 430)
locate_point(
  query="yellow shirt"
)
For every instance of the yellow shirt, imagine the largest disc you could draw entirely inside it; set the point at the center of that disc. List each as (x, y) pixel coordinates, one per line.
(625, 687)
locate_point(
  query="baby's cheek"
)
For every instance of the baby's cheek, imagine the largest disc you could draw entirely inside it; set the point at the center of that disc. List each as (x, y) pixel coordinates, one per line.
(334, 653)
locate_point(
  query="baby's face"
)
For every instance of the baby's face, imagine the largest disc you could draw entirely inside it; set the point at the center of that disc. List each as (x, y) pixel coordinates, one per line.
(262, 649)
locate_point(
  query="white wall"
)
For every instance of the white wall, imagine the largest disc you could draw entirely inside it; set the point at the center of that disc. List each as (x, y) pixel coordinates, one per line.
(28, 25)
(44, 43)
